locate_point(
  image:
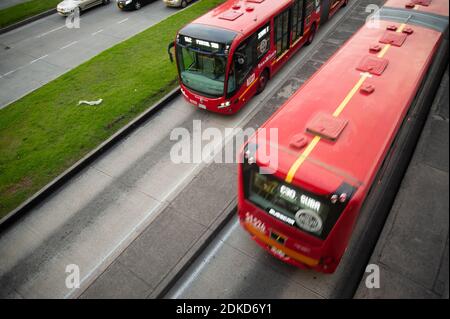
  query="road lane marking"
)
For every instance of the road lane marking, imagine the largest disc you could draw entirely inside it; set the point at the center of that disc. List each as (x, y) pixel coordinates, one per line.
(97, 32)
(10, 72)
(68, 45)
(205, 261)
(122, 21)
(42, 57)
(48, 32)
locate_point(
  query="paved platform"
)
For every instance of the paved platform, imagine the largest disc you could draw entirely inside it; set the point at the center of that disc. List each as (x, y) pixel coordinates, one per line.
(413, 251)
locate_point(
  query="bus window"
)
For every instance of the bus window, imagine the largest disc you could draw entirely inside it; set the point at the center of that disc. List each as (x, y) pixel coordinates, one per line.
(309, 9)
(202, 66)
(244, 60)
(297, 20)
(282, 26)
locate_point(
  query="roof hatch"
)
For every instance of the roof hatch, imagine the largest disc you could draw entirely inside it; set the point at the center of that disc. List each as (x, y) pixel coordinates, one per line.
(326, 126)
(231, 15)
(393, 38)
(373, 65)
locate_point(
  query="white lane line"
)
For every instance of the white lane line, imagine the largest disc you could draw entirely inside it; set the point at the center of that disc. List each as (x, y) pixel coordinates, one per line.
(68, 45)
(205, 261)
(97, 32)
(48, 32)
(122, 21)
(40, 58)
(10, 72)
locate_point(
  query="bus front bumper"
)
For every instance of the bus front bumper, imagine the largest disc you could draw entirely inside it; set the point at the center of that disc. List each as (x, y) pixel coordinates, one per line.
(287, 254)
(219, 105)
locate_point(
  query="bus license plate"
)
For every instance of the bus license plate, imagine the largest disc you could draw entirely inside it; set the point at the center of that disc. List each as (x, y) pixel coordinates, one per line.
(278, 252)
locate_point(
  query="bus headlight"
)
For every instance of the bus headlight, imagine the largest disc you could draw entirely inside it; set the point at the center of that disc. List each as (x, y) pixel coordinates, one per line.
(224, 105)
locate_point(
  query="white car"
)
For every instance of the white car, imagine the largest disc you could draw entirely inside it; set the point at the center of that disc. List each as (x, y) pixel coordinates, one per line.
(177, 3)
(68, 7)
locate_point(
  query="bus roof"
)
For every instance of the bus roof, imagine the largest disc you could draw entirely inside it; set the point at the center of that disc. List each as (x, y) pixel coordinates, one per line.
(358, 111)
(429, 6)
(242, 16)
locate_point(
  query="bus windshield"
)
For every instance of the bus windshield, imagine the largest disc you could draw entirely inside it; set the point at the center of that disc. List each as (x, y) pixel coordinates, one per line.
(202, 69)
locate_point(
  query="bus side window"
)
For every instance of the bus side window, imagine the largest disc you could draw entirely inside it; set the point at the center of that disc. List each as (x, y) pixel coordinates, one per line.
(310, 6)
(297, 20)
(282, 25)
(244, 60)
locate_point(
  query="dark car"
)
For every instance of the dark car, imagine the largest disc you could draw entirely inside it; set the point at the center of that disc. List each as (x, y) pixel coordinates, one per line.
(132, 4)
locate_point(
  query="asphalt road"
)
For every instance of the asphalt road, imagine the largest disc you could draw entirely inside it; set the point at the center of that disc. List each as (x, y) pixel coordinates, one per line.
(128, 220)
(91, 220)
(235, 267)
(39, 52)
(9, 3)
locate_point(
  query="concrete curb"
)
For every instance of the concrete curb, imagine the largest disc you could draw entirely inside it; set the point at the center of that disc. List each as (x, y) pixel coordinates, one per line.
(51, 187)
(27, 21)
(194, 252)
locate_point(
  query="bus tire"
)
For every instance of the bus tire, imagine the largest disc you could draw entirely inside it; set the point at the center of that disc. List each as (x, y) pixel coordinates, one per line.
(262, 81)
(184, 4)
(345, 3)
(312, 34)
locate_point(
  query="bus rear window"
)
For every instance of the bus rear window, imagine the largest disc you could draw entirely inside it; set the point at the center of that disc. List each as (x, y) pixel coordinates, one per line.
(296, 207)
(291, 205)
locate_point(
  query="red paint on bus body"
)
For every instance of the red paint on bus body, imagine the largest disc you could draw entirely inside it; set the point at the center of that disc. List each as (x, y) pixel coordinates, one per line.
(251, 16)
(374, 118)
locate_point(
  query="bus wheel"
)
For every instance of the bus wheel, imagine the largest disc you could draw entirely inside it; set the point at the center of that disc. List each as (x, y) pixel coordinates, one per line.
(262, 81)
(184, 4)
(345, 3)
(312, 34)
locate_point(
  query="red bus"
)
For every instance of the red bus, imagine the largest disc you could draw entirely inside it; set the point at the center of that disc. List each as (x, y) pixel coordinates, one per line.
(229, 54)
(334, 134)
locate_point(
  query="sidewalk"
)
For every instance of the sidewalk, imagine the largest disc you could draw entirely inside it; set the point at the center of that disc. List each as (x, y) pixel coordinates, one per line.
(413, 251)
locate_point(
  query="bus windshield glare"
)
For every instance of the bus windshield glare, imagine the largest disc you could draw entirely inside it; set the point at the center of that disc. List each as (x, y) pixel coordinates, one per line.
(202, 65)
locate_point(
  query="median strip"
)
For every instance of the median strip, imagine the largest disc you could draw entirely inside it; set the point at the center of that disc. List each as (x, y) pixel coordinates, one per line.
(23, 11)
(46, 132)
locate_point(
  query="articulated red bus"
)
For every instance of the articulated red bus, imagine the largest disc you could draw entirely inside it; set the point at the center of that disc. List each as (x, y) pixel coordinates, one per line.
(334, 134)
(229, 54)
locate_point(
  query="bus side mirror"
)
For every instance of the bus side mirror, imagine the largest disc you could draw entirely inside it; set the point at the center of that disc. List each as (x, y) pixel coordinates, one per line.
(171, 45)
